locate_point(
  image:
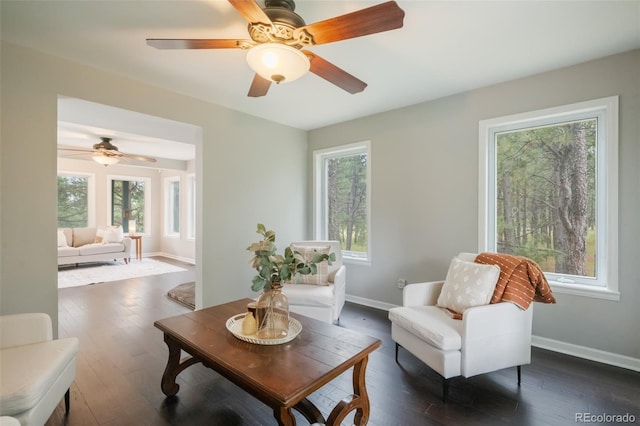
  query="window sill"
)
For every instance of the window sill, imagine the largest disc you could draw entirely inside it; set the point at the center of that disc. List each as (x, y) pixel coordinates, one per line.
(356, 261)
(585, 291)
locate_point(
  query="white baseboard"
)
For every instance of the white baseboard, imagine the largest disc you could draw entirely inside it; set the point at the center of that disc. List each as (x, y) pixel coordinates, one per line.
(541, 342)
(585, 352)
(369, 302)
(171, 256)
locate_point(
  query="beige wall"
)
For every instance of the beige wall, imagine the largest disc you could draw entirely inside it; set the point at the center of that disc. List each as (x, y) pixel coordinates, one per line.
(425, 194)
(243, 164)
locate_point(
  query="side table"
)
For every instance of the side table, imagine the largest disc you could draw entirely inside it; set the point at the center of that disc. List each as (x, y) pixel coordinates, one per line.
(138, 240)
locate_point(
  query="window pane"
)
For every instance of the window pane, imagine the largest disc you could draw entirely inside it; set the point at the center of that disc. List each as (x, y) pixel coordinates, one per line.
(73, 207)
(347, 202)
(127, 203)
(192, 206)
(175, 207)
(546, 196)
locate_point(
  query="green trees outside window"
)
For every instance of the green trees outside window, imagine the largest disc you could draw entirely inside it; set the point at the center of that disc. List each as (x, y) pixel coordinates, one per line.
(546, 195)
(347, 201)
(73, 195)
(127, 203)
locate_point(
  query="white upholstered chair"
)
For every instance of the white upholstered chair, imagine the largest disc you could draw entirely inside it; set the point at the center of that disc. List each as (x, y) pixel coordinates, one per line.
(36, 371)
(487, 338)
(322, 302)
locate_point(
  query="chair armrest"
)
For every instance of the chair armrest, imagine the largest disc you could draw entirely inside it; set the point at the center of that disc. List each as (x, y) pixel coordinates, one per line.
(24, 329)
(495, 320)
(340, 286)
(495, 336)
(421, 294)
(340, 279)
(126, 241)
(339, 291)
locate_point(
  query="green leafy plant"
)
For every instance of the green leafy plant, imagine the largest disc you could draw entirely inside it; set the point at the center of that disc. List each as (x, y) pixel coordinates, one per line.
(274, 269)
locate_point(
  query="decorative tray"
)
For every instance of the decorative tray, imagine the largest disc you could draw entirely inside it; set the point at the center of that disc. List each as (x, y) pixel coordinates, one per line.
(234, 325)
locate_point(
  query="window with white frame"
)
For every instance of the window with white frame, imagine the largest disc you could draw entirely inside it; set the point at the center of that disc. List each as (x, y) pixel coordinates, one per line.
(342, 200)
(76, 194)
(130, 200)
(549, 192)
(172, 206)
(191, 206)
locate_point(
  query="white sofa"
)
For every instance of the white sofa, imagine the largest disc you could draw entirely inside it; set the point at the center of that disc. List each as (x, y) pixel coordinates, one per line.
(35, 370)
(92, 244)
(321, 302)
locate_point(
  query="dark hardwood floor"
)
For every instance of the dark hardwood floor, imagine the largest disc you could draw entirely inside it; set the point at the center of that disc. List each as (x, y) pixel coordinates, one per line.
(122, 358)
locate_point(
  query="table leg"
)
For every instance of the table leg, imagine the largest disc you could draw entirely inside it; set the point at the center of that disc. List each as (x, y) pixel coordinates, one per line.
(284, 416)
(309, 411)
(139, 249)
(360, 389)
(174, 367)
(359, 401)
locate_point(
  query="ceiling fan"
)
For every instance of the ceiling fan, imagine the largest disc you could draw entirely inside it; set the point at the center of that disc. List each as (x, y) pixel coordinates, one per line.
(278, 35)
(106, 153)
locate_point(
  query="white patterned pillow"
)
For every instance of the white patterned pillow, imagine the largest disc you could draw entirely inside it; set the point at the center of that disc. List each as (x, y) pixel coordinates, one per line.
(468, 284)
(113, 234)
(322, 275)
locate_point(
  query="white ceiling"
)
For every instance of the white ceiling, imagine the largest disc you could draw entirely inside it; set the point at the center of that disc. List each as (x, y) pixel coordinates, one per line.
(445, 47)
(81, 124)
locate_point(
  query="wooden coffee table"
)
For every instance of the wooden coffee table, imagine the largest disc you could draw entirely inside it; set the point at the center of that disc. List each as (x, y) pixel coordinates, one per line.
(281, 376)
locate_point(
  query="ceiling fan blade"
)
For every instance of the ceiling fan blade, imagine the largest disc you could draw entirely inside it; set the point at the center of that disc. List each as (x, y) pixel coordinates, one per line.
(138, 157)
(75, 155)
(259, 86)
(73, 148)
(333, 74)
(376, 19)
(251, 11)
(196, 43)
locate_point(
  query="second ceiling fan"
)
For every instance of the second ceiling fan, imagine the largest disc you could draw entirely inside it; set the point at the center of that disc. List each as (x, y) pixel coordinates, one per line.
(105, 153)
(278, 36)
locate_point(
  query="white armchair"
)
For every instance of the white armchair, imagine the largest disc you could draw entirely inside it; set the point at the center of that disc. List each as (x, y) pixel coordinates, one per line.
(487, 338)
(322, 302)
(35, 370)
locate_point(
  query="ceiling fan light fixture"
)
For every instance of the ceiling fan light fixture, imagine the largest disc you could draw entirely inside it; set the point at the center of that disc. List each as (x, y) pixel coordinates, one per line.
(105, 160)
(278, 62)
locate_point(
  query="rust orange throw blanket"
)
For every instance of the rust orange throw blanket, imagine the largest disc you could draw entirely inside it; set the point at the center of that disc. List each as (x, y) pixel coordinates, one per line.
(521, 280)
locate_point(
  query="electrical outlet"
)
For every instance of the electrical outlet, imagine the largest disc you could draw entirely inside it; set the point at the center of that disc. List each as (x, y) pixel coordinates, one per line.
(401, 283)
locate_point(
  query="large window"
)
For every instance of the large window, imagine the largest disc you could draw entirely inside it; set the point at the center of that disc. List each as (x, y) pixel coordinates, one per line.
(549, 192)
(129, 201)
(342, 198)
(75, 200)
(172, 206)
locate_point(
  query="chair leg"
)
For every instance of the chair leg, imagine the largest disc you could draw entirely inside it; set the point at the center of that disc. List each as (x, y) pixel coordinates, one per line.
(519, 375)
(445, 389)
(397, 346)
(66, 401)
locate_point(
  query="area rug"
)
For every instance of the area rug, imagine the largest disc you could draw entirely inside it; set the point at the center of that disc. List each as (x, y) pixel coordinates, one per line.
(86, 274)
(184, 294)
